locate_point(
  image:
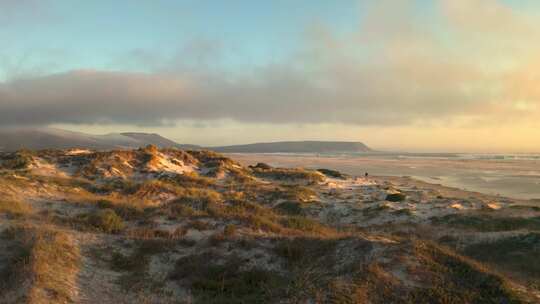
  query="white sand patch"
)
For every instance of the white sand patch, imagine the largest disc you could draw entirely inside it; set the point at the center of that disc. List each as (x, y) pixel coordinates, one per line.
(494, 206)
(171, 165)
(78, 151)
(457, 206)
(40, 166)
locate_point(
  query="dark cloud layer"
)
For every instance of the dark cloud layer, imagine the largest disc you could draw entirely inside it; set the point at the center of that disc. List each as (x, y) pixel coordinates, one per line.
(388, 73)
(275, 95)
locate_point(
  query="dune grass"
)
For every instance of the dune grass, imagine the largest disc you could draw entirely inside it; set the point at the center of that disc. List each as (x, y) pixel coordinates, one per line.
(43, 267)
(15, 208)
(488, 223)
(517, 255)
(225, 282)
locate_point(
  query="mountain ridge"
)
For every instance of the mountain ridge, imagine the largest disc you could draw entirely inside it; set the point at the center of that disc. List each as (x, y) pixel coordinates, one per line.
(13, 139)
(52, 138)
(308, 146)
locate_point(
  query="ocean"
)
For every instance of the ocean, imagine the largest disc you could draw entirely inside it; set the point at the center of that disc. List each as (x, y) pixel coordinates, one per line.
(510, 175)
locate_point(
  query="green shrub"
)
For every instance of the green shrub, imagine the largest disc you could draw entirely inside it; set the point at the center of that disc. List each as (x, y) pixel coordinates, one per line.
(289, 174)
(229, 230)
(332, 173)
(457, 279)
(199, 225)
(396, 197)
(107, 220)
(518, 254)
(293, 193)
(305, 250)
(263, 223)
(487, 223)
(227, 282)
(404, 212)
(302, 223)
(290, 208)
(18, 160)
(189, 179)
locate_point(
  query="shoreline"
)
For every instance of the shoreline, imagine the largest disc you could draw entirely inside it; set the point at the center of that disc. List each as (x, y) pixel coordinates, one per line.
(510, 179)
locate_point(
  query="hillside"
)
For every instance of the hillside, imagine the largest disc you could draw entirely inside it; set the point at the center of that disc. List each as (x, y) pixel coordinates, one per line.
(296, 147)
(171, 226)
(49, 138)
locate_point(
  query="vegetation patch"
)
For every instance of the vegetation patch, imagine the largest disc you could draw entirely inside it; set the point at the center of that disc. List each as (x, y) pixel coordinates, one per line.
(43, 267)
(15, 208)
(19, 160)
(286, 174)
(332, 173)
(135, 266)
(223, 280)
(518, 254)
(290, 208)
(293, 193)
(106, 220)
(303, 224)
(455, 279)
(488, 223)
(396, 197)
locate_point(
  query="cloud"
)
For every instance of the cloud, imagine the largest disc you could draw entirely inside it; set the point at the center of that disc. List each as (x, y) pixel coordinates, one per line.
(394, 70)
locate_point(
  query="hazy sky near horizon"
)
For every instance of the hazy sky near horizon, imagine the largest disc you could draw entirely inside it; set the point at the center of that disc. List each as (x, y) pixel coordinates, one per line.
(423, 75)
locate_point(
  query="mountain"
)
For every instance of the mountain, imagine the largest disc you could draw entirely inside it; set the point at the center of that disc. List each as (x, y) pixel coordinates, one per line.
(49, 138)
(12, 139)
(296, 147)
(158, 140)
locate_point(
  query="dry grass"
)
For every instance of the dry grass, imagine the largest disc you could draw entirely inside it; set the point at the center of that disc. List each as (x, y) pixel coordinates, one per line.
(44, 268)
(15, 208)
(217, 279)
(283, 174)
(264, 247)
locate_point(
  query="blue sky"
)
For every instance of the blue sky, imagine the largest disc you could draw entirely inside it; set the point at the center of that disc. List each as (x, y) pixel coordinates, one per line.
(99, 34)
(398, 74)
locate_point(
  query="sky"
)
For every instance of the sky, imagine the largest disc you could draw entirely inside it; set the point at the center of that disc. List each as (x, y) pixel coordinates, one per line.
(411, 75)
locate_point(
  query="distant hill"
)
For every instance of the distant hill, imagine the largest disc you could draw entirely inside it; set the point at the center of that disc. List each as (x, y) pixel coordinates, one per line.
(158, 140)
(49, 138)
(296, 147)
(12, 139)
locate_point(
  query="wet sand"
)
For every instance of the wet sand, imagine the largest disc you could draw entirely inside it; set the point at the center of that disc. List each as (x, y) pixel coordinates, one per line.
(519, 179)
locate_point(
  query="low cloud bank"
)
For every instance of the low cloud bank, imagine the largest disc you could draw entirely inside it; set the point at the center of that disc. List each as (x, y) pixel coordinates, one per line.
(392, 71)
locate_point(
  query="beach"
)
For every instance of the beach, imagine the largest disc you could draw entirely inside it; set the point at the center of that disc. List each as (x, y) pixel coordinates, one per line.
(517, 178)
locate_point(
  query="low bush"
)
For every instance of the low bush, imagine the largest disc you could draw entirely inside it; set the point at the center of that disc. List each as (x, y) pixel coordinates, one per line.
(456, 279)
(290, 208)
(396, 197)
(289, 174)
(517, 254)
(332, 173)
(230, 230)
(227, 282)
(18, 160)
(488, 223)
(106, 220)
(302, 223)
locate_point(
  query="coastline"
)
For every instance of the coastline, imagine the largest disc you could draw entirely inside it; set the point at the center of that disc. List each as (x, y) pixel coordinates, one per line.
(495, 179)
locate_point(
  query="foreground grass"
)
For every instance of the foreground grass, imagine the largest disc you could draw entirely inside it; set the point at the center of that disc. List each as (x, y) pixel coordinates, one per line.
(14, 208)
(517, 255)
(233, 235)
(488, 223)
(42, 267)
